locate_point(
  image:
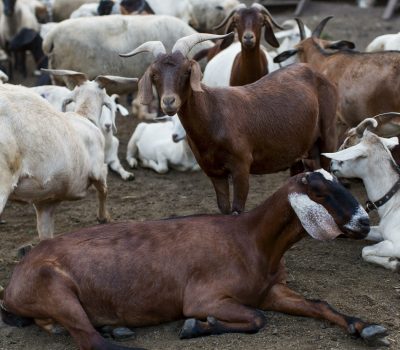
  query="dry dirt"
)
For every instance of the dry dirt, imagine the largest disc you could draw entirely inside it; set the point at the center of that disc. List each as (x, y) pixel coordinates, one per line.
(332, 271)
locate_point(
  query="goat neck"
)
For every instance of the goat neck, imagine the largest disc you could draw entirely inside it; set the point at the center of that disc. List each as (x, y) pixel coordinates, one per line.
(249, 66)
(275, 230)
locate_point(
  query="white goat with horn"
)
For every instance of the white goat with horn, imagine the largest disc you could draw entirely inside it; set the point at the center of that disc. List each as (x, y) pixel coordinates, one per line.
(371, 161)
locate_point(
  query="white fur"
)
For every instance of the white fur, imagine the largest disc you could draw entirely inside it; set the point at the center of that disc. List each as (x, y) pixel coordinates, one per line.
(384, 43)
(50, 156)
(315, 219)
(325, 174)
(153, 145)
(371, 161)
(57, 94)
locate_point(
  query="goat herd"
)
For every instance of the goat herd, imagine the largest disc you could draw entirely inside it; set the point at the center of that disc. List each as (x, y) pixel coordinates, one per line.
(247, 115)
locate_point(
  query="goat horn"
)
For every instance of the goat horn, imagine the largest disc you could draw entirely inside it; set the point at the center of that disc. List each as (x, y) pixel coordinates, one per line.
(155, 47)
(185, 44)
(369, 123)
(301, 28)
(227, 18)
(320, 27)
(264, 11)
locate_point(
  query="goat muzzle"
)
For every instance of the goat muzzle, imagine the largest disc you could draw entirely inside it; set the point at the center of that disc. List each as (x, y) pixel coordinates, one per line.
(170, 104)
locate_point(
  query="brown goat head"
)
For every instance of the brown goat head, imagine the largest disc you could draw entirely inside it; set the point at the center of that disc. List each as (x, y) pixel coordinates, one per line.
(174, 75)
(248, 22)
(314, 39)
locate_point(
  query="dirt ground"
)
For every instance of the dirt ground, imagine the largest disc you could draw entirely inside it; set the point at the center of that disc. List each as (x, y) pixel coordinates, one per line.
(331, 271)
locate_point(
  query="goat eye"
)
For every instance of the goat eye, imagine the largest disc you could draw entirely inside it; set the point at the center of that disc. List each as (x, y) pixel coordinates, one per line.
(340, 162)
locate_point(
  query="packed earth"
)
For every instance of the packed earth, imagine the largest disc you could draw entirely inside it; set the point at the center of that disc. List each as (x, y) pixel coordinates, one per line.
(332, 271)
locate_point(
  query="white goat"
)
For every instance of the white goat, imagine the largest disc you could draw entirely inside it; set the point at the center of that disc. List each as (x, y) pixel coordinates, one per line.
(371, 161)
(161, 146)
(52, 156)
(384, 43)
(56, 96)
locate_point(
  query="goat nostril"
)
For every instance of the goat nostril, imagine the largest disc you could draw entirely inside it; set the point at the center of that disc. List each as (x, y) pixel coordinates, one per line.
(364, 221)
(168, 100)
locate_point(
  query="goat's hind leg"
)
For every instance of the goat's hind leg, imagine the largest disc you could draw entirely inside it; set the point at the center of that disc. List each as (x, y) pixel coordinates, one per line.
(384, 253)
(221, 187)
(101, 186)
(283, 299)
(226, 316)
(45, 219)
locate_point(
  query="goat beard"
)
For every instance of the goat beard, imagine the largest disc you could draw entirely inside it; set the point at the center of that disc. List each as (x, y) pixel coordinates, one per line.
(314, 218)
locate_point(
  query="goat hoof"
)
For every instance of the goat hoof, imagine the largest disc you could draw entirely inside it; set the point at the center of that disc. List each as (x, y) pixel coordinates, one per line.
(212, 321)
(235, 212)
(122, 333)
(22, 251)
(133, 163)
(374, 335)
(188, 329)
(129, 177)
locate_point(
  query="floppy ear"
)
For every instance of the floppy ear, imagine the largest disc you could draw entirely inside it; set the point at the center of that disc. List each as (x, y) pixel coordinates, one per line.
(269, 35)
(145, 89)
(285, 55)
(114, 83)
(229, 39)
(195, 77)
(391, 142)
(122, 110)
(353, 152)
(341, 45)
(71, 78)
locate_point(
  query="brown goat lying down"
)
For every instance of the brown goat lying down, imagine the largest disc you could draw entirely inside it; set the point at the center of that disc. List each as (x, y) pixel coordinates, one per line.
(217, 271)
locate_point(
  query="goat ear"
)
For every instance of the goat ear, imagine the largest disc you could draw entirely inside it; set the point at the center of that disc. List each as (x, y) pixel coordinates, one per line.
(145, 89)
(195, 77)
(285, 55)
(388, 124)
(70, 77)
(341, 45)
(353, 152)
(122, 110)
(269, 34)
(391, 142)
(65, 103)
(114, 84)
(229, 39)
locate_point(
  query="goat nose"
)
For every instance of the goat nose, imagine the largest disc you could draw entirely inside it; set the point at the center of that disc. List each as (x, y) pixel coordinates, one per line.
(364, 222)
(168, 100)
(248, 36)
(107, 126)
(175, 137)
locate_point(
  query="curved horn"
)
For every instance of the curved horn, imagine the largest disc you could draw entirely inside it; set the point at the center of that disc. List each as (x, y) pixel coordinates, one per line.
(301, 28)
(155, 47)
(185, 44)
(369, 123)
(227, 18)
(320, 27)
(264, 11)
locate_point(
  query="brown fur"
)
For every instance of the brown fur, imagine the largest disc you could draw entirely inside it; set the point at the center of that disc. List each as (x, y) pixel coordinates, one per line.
(211, 267)
(259, 128)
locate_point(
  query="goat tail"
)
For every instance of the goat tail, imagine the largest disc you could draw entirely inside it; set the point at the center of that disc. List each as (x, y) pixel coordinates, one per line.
(14, 320)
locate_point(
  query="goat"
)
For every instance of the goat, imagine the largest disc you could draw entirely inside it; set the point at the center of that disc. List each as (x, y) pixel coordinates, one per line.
(371, 161)
(53, 156)
(384, 43)
(56, 96)
(251, 63)
(161, 146)
(259, 128)
(105, 274)
(359, 76)
(85, 44)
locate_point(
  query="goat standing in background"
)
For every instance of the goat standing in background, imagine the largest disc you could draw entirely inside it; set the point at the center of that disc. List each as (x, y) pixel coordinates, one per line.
(259, 128)
(216, 271)
(251, 63)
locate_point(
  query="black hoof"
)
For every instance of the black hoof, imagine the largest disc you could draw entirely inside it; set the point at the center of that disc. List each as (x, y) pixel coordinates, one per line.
(131, 178)
(188, 328)
(374, 335)
(22, 251)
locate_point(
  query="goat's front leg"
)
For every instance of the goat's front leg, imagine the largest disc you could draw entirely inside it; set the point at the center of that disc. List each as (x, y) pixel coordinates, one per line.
(240, 180)
(221, 187)
(101, 186)
(282, 299)
(226, 316)
(45, 219)
(385, 253)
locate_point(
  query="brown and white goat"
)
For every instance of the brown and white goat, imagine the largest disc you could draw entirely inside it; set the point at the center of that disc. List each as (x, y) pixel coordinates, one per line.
(251, 63)
(146, 273)
(258, 128)
(368, 83)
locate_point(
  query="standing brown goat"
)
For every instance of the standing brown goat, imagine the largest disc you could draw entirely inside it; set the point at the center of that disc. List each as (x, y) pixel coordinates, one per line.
(251, 63)
(368, 83)
(216, 271)
(258, 128)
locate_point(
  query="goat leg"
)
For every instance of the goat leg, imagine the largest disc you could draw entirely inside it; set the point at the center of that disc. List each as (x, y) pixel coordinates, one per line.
(45, 219)
(227, 317)
(282, 299)
(240, 180)
(221, 187)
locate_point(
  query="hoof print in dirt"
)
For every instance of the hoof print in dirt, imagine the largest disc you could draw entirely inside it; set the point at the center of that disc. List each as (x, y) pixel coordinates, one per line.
(22, 251)
(375, 335)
